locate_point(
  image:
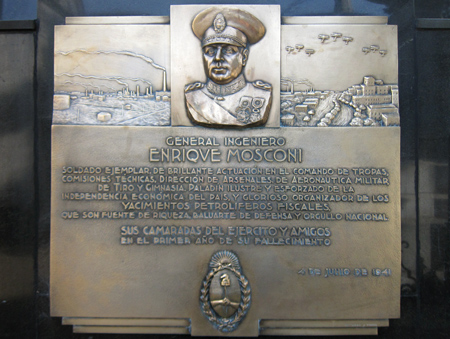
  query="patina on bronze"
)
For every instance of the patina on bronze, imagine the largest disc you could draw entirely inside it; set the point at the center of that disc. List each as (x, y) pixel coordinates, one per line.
(291, 230)
(225, 296)
(134, 228)
(227, 98)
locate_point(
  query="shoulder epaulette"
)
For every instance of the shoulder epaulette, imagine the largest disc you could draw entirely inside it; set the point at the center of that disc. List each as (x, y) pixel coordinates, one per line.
(194, 86)
(262, 85)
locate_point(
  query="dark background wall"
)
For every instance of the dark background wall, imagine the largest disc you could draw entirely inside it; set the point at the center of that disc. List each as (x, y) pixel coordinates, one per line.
(26, 88)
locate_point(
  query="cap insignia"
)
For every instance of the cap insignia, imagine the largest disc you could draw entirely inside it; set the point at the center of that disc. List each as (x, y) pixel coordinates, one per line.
(219, 23)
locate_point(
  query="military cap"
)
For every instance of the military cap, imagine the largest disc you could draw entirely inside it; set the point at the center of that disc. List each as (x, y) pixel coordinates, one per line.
(227, 26)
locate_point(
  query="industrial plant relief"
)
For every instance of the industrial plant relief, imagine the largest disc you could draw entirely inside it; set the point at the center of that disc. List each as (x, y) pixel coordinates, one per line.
(102, 77)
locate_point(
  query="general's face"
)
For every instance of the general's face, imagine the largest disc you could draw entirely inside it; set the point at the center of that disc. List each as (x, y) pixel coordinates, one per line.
(223, 63)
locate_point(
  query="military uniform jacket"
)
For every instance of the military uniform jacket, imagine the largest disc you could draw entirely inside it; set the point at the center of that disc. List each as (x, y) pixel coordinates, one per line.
(239, 103)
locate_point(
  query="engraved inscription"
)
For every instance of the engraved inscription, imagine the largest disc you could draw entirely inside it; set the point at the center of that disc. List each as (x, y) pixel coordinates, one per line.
(217, 190)
(331, 272)
(231, 193)
(231, 235)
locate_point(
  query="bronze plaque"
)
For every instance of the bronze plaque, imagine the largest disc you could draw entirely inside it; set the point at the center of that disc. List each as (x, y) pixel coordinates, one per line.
(231, 186)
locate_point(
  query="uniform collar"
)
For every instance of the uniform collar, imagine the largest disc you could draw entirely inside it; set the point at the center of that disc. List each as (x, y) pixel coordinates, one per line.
(230, 88)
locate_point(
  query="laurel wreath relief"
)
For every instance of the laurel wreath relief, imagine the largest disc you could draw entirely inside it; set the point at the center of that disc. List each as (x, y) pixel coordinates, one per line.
(225, 324)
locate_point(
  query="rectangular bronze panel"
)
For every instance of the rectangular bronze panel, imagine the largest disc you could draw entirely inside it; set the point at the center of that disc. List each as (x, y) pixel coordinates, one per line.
(333, 20)
(131, 329)
(116, 20)
(104, 265)
(321, 331)
(112, 75)
(263, 60)
(273, 205)
(322, 323)
(126, 322)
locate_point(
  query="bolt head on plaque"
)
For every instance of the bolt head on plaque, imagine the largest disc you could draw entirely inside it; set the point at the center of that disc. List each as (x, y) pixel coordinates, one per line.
(227, 98)
(225, 294)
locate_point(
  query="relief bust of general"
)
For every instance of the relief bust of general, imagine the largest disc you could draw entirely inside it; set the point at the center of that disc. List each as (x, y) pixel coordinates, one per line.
(227, 98)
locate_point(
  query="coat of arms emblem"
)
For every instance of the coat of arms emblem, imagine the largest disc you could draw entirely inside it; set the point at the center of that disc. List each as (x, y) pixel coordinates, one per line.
(225, 294)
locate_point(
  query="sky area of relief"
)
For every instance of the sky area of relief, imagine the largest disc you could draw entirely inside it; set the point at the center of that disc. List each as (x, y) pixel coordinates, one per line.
(333, 66)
